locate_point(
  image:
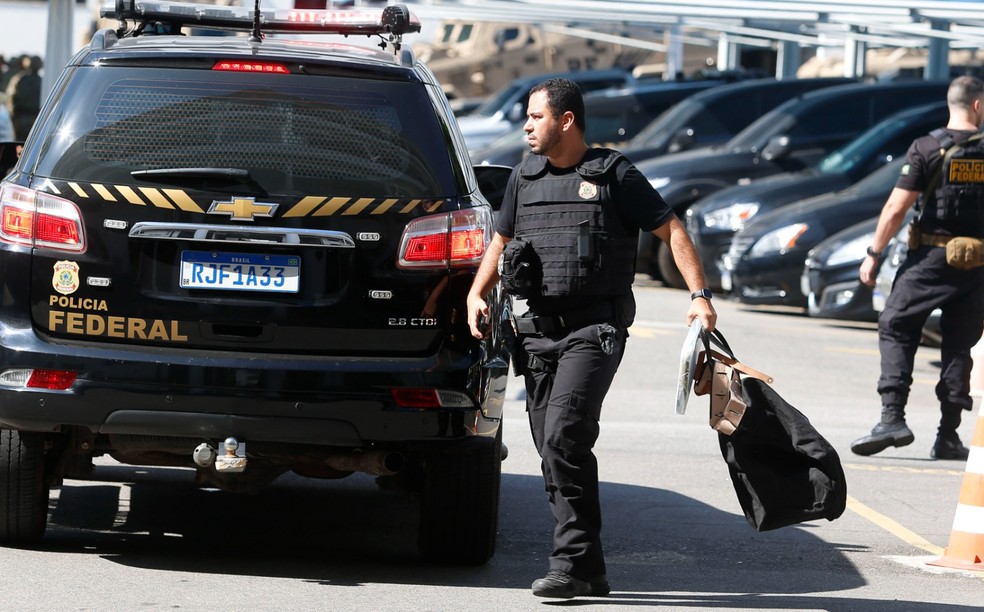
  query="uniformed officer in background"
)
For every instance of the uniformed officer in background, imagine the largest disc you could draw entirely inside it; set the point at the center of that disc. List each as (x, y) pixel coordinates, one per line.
(567, 232)
(942, 269)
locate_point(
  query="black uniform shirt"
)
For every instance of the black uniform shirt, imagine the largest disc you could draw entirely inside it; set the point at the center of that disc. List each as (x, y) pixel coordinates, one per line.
(923, 159)
(639, 205)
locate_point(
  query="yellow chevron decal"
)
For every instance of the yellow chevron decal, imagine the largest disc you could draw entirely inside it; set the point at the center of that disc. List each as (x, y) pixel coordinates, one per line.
(386, 205)
(184, 202)
(305, 206)
(78, 190)
(432, 207)
(331, 207)
(359, 206)
(106, 194)
(156, 197)
(130, 195)
(410, 206)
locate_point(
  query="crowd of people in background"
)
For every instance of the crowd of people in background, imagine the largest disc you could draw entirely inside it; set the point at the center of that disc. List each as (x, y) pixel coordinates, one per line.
(20, 94)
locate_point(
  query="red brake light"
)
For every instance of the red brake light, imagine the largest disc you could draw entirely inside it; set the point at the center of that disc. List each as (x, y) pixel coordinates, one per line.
(265, 67)
(39, 219)
(457, 239)
(56, 380)
(415, 398)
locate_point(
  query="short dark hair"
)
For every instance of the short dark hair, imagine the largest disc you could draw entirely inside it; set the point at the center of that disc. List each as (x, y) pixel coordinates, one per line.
(563, 95)
(964, 90)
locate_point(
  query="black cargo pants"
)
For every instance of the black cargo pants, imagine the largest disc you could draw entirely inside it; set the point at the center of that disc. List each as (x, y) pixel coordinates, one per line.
(923, 283)
(566, 384)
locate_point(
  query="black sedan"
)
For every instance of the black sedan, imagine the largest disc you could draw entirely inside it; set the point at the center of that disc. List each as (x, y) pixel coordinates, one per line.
(765, 261)
(714, 220)
(830, 275)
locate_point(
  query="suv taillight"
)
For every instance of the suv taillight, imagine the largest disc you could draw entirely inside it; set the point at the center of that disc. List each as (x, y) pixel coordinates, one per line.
(455, 239)
(40, 220)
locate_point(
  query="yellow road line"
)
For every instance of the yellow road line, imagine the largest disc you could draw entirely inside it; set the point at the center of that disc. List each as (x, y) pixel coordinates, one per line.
(902, 469)
(909, 537)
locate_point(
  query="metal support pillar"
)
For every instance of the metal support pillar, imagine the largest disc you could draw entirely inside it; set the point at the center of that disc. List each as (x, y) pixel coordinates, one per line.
(787, 60)
(855, 52)
(727, 55)
(938, 62)
(674, 53)
(60, 42)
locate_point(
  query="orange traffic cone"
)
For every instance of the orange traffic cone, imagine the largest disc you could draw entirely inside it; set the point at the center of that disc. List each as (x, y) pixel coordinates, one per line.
(966, 548)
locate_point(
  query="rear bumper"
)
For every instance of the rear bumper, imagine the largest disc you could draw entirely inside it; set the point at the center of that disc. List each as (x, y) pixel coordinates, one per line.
(305, 400)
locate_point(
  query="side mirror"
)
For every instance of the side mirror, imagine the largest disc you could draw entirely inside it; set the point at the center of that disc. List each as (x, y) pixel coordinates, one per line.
(778, 148)
(492, 182)
(682, 140)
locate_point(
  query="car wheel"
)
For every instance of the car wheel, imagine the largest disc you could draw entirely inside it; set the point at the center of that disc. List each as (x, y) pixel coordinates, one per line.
(668, 269)
(459, 505)
(24, 507)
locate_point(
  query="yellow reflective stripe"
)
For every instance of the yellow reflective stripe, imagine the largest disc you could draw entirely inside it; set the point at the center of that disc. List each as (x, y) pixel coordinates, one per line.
(156, 197)
(105, 193)
(130, 195)
(183, 201)
(433, 207)
(411, 205)
(359, 206)
(78, 190)
(386, 205)
(331, 207)
(304, 207)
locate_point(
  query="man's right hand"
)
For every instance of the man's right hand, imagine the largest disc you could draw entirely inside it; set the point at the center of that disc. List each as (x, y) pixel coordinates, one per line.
(478, 316)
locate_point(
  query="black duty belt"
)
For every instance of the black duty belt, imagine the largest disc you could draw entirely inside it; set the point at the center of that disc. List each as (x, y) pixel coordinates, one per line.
(532, 324)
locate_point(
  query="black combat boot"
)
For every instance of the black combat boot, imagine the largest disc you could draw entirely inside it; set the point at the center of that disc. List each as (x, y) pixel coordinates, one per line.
(890, 431)
(948, 444)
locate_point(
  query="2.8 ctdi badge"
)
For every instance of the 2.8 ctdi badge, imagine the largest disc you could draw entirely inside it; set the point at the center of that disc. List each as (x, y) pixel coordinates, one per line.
(66, 278)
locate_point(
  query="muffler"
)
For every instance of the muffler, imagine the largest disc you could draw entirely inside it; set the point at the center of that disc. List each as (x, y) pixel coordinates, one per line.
(375, 462)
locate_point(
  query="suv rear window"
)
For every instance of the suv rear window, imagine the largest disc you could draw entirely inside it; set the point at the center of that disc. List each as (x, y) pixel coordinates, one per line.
(356, 134)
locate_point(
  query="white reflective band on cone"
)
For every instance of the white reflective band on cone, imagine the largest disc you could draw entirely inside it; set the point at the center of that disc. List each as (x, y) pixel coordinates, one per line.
(975, 461)
(969, 519)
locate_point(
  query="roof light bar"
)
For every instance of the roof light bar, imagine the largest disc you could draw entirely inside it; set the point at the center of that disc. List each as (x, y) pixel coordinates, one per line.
(396, 20)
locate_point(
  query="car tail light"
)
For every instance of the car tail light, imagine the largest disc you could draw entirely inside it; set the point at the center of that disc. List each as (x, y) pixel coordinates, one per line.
(264, 67)
(40, 220)
(54, 380)
(455, 239)
(428, 398)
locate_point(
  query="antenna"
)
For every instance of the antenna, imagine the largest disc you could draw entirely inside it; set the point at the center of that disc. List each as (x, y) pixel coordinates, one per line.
(256, 35)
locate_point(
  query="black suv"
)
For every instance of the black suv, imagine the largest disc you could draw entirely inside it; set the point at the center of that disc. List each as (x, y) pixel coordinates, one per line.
(248, 255)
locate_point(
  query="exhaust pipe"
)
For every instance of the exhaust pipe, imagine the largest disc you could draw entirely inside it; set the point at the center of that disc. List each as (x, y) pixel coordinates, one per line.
(375, 462)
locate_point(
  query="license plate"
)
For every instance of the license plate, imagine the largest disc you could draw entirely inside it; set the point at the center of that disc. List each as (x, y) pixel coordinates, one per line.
(240, 271)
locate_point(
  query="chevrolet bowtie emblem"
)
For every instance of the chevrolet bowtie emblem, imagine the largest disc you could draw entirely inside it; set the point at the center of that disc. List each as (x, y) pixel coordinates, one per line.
(242, 209)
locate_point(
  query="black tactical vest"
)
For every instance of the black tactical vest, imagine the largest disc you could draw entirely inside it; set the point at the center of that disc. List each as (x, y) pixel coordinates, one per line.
(572, 223)
(954, 200)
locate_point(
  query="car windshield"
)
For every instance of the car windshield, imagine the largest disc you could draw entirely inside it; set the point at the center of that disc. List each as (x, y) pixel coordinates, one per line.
(308, 134)
(758, 134)
(659, 131)
(865, 146)
(881, 180)
(497, 101)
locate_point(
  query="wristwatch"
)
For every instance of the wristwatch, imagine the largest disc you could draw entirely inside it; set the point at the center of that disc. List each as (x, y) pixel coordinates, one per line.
(873, 253)
(702, 293)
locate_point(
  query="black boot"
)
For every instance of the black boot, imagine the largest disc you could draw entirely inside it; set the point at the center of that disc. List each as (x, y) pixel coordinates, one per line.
(948, 444)
(890, 431)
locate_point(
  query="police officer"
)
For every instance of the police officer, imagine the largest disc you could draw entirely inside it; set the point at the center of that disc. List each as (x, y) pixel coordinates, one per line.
(941, 270)
(571, 215)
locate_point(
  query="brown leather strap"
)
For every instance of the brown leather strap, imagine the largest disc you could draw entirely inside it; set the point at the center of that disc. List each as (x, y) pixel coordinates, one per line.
(741, 367)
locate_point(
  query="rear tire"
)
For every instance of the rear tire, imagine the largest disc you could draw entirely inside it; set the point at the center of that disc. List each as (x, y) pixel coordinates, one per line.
(23, 487)
(459, 505)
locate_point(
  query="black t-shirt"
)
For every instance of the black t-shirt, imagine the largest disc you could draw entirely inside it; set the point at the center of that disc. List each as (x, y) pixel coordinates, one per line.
(923, 159)
(639, 205)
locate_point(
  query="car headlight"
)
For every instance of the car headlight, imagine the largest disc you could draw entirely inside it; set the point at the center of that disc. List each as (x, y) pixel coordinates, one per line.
(659, 182)
(730, 218)
(778, 241)
(852, 251)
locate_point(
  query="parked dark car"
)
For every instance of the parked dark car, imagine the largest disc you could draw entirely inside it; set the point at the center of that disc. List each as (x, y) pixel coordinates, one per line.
(765, 262)
(830, 275)
(791, 137)
(885, 279)
(714, 220)
(612, 117)
(505, 110)
(713, 117)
